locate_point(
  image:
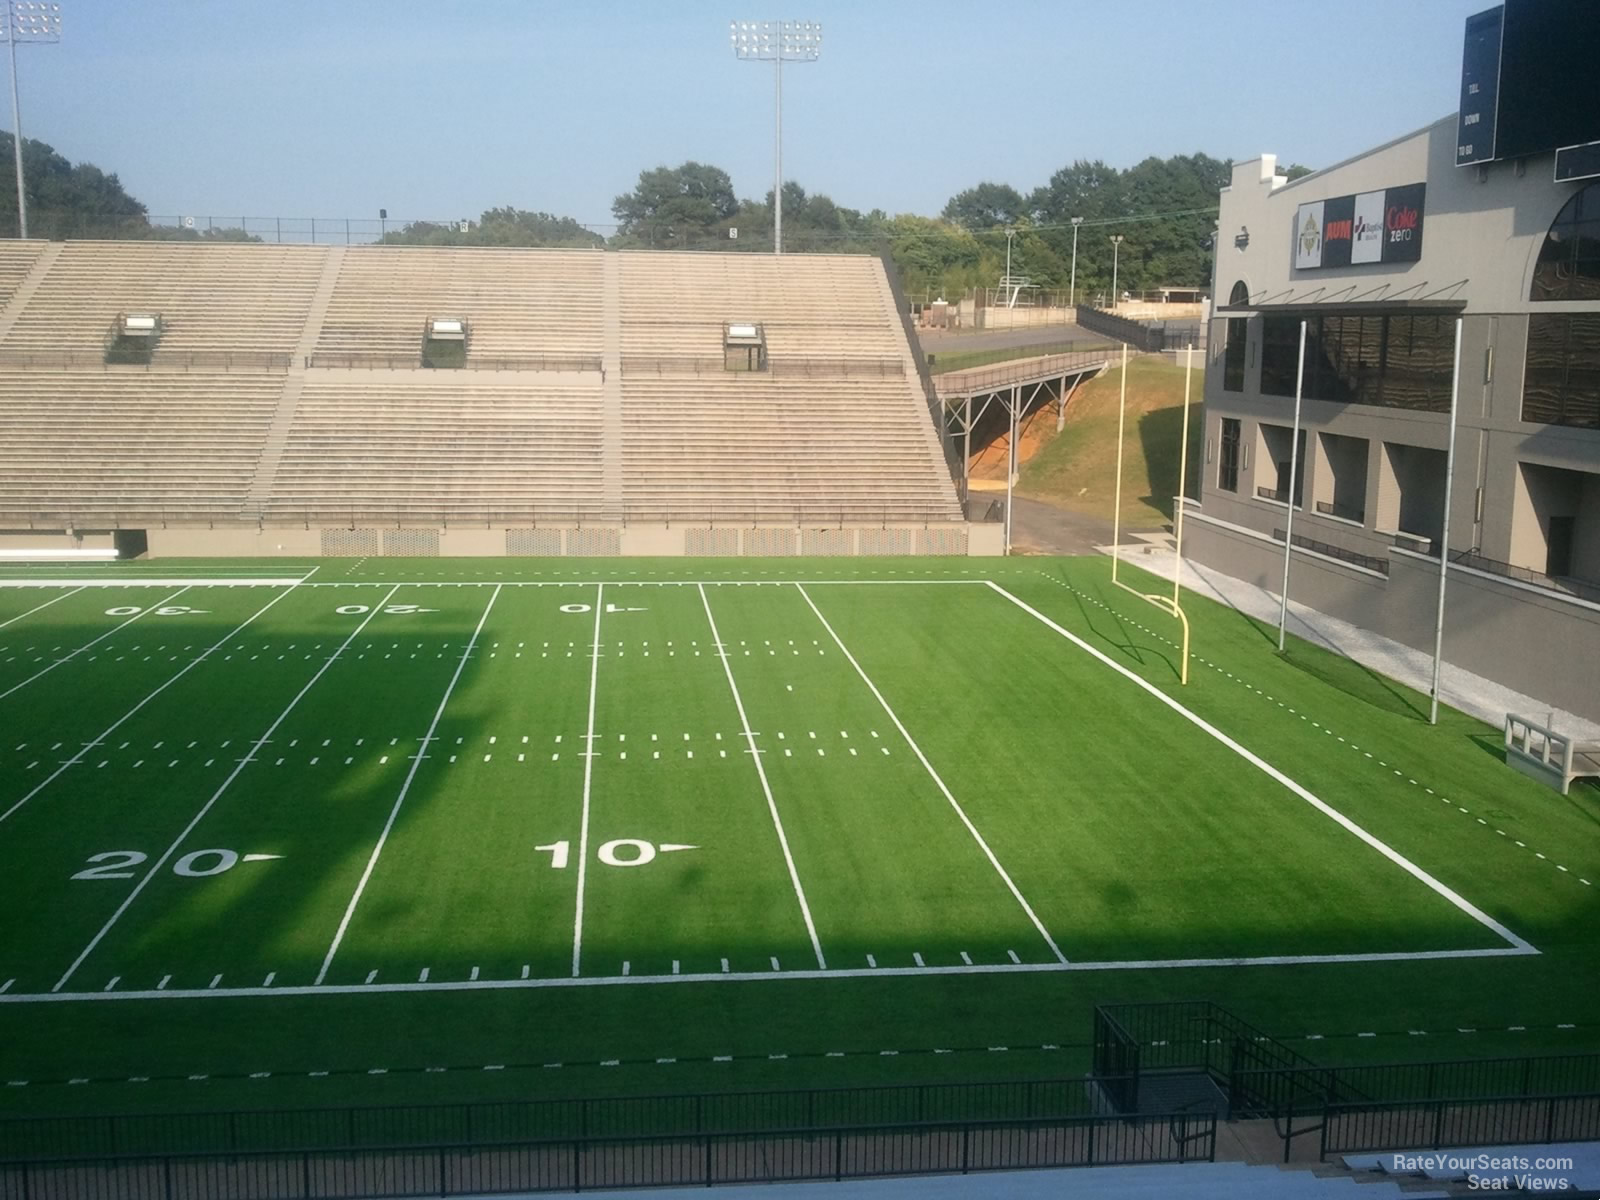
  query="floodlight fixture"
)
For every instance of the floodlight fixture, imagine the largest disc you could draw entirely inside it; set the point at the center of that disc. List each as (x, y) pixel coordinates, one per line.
(141, 325)
(776, 42)
(26, 21)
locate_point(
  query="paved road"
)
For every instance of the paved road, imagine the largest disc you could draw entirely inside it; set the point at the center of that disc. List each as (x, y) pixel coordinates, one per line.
(1041, 528)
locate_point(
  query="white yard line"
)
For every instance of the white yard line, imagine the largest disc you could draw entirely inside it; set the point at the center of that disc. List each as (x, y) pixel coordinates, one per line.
(588, 777)
(58, 662)
(217, 795)
(934, 775)
(37, 607)
(416, 762)
(157, 581)
(115, 725)
(766, 788)
(1394, 856)
(804, 973)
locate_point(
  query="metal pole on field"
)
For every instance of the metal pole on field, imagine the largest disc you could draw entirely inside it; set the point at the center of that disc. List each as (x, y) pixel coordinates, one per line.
(776, 42)
(26, 22)
(1294, 475)
(1011, 460)
(1116, 504)
(1183, 480)
(1072, 290)
(1444, 534)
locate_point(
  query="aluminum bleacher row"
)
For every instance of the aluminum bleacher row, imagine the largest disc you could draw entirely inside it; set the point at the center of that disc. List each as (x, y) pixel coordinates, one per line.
(288, 386)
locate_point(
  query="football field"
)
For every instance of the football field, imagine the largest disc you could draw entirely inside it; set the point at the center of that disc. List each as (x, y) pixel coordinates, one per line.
(285, 833)
(218, 786)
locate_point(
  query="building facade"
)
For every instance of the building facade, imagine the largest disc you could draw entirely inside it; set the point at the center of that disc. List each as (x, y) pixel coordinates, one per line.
(1384, 261)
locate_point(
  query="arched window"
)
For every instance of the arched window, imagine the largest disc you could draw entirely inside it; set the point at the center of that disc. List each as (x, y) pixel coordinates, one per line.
(1568, 267)
(1233, 353)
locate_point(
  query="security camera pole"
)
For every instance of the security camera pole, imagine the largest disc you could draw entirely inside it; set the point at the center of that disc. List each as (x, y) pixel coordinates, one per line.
(26, 21)
(776, 42)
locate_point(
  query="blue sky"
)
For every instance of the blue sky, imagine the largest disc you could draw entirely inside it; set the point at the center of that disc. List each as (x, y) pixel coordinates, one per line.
(443, 109)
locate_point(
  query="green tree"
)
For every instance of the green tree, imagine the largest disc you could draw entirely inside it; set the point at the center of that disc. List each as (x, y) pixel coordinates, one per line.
(1297, 171)
(674, 206)
(986, 206)
(65, 199)
(498, 227)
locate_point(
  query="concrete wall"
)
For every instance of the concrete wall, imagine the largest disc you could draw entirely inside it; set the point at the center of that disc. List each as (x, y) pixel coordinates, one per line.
(626, 541)
(1523, 637)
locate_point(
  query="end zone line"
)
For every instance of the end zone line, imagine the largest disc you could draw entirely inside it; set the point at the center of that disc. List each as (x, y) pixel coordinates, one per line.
(806, 973)
(588, 777)
(934, 775)
(115, 725)
(68, 658)
(36, 608)
(1522, 946)
(766, 788)
(405, 788)
(217, 795)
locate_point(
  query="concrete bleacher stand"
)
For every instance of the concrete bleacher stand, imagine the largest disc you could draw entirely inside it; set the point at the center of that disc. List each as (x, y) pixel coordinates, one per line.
(286, 408)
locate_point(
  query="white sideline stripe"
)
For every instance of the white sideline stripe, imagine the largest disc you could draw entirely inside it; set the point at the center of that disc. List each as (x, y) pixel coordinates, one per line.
(115, 725)
(217, 795)
(766, 788)
(257, 581)
(807, 973)
(405, 788)
(934, 775)
(588, 776)
(68, 658)
(153, 581)
(37, 607)
(1271, 771)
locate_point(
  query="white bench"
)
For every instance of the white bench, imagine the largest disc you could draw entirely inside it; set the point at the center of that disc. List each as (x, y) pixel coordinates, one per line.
(1550, 757)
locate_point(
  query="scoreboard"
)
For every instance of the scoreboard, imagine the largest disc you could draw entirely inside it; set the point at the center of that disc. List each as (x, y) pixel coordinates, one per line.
(1528, 84)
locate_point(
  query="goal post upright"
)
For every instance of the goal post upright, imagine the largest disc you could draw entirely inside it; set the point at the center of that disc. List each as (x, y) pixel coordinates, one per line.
(1172, 605)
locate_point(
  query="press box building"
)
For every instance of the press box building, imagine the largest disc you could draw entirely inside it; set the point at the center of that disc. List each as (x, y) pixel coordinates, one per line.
(1379, 256)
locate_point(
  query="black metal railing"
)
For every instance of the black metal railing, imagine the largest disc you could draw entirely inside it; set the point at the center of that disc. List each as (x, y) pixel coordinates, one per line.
(585, 1164)
(413, 362)
(1355, 558)
(1443, 1124)
(1416, 543)
(972, 381)
(1583, 589)
(1345, 512)
(1149, 337)
(1269, 1090)
(161, 360)
(380, 1127)
(1281, 495)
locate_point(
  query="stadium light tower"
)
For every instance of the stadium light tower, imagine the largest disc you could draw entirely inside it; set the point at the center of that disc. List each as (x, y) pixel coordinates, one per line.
(26, 21)
(1072, 291)
(776, 42)
(1116, 251)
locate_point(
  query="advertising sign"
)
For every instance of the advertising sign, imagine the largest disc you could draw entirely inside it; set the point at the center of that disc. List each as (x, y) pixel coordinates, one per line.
(1373, 227)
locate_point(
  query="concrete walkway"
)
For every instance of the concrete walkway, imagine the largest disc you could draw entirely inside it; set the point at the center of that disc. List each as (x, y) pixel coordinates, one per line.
(1483, 698)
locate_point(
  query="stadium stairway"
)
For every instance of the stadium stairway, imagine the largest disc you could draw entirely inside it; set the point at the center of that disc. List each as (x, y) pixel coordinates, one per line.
(28, 283)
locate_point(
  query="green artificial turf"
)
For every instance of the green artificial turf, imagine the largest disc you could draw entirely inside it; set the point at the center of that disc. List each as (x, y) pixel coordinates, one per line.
(957, 792)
